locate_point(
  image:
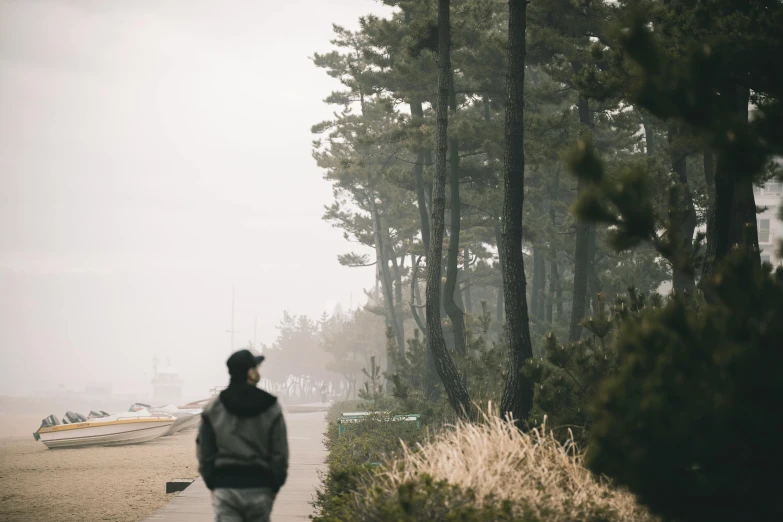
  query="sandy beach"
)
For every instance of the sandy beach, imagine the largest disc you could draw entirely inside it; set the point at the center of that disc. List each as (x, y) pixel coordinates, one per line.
(122, 483)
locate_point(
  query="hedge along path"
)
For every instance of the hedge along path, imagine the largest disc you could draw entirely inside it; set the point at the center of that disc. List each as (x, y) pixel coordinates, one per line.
(494, 459)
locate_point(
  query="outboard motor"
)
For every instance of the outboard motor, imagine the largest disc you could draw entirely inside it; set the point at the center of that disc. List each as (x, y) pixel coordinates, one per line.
(51, 420)
(73, 418)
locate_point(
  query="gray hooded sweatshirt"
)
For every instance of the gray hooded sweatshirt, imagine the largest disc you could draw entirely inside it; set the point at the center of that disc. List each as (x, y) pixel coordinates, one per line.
(242, 441)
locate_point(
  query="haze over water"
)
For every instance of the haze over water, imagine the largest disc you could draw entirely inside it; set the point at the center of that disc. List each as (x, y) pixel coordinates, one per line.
(152, 154)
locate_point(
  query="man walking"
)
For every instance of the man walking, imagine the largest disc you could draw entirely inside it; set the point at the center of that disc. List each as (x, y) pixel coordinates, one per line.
(242, 445)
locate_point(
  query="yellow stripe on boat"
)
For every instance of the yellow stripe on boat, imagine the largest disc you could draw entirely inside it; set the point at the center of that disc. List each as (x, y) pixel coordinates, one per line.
(80, 425)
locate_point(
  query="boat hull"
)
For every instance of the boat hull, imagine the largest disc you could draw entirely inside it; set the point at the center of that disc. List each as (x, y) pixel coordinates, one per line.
(113, 433)
(184, 423)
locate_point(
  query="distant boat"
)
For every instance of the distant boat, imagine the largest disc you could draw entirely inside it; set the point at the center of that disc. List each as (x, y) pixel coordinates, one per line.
(186, 420)
(167, 385)
(113, 430)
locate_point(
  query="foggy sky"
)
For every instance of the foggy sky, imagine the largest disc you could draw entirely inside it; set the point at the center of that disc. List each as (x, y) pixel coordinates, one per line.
(152, 154)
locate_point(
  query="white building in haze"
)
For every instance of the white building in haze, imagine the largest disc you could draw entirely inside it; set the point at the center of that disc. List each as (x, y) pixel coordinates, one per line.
(770, 227)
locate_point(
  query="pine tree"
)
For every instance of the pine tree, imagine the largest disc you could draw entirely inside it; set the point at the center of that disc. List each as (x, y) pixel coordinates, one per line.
(518, 392)
(452, 381)
(693, 382)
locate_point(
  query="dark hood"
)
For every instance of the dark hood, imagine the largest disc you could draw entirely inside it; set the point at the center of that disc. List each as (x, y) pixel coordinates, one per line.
(244, 400)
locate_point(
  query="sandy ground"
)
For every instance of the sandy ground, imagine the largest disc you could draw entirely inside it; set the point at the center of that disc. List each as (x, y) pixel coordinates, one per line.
(121, 483)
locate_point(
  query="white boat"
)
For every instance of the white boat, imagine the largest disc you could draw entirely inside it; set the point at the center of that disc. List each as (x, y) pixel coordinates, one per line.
(186, 418)
(112, 430)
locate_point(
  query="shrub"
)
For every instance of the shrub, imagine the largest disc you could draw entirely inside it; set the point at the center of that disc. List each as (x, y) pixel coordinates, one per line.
(334, 500)
(567, 377)
(694, 410)
(351, 459)
(370, 441)
(425, 500)
(491, 462)
(338, 408)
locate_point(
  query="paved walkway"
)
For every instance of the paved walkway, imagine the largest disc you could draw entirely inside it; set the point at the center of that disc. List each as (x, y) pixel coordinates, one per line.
(305, 436)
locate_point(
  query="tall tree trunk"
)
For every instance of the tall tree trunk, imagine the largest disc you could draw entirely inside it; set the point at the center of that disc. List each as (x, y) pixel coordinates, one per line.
(558, 289)
(555, 285)
(447, 370)
(383, 267)
(743, 213)
(579, 297)
(649, 136)
(418, 173)
(382, 273)
(428, 186)
(455, 313)
(499, 241)
(542, 288)
(466, 280)
(538, 283)
(743, 209)
(424, 201)
(398, 304)
(709, 179)
(593, 281)
(581, 250)
(518, 390)
(682, 278)
(553, 275)
(735, 204)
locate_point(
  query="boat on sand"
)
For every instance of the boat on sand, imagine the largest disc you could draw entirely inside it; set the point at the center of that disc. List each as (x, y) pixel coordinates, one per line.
(111, 430)
(186, 418)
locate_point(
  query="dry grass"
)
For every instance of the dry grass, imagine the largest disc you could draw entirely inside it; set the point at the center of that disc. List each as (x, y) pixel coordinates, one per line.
(494, 459)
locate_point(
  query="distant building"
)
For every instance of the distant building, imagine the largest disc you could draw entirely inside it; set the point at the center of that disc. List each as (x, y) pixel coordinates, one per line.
(167, 387)
(770, 227)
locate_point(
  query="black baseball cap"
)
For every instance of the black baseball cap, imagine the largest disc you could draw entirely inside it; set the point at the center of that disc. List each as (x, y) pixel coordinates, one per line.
(240, 362)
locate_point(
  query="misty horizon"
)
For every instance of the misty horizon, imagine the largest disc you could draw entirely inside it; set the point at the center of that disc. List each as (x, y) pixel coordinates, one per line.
(154, 155)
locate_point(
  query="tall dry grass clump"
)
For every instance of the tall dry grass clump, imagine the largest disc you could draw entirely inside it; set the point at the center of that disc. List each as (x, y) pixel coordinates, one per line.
(537, 473)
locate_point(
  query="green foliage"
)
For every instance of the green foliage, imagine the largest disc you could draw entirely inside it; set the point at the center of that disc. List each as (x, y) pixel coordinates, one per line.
(426, 500)
(568, 377)
(334, 501)
(689, 421)
(354, 454)
(371, 441)
(693, 411)
(485, 471)
(699, 88)
(598, 67)
(373, 385)
(351, 456)
(409, 379)
(485, 365)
